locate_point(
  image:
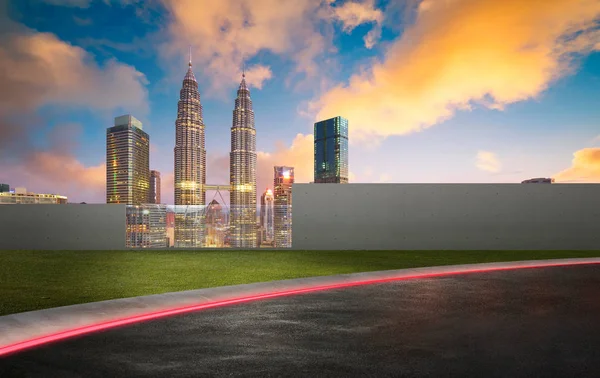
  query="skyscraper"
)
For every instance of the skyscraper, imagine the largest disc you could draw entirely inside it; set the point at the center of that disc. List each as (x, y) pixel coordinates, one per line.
(127, 162)
(266, 215)
(242, 171)
(283, 181)
(331, 151)
(154, 195)
(190, 152)
(190, 165)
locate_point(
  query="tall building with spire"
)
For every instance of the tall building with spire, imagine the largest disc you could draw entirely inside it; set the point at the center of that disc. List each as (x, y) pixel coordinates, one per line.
(190, 161)
(242, 171)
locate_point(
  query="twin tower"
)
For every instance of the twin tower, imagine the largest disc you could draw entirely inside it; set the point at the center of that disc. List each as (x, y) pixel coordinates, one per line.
(190, 165)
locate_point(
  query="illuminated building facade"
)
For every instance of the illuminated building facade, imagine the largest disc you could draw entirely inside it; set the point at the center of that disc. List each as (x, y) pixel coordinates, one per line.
(127, 162)
(282, 193)
(216, 226)
(242, 171)
(266, 216)
(154, 195)
(190, 165)
(20, 196)
(331, 151)
(146, 226)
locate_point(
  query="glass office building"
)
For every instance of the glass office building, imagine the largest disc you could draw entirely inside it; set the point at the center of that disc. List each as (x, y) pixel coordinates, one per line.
(127, 162)
(331, 151)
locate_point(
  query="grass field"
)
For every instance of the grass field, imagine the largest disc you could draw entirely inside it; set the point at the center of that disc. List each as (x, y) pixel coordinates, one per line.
(33, 280)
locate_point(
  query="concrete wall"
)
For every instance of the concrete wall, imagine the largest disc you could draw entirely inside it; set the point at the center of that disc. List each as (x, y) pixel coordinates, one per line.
(446, 216)
(363, 216)
(68, 227)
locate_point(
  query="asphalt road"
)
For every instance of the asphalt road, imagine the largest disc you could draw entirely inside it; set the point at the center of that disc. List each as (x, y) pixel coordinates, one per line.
(524, 323)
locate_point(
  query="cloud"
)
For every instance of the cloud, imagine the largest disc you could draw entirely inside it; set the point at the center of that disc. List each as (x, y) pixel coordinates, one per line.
(39, 69)
(585, 167)
(355, 13)
(299, 154)
(462, 53)
(36, 70)
(70, 3)
(488, 161)
(226, 33)
(83, 21)
(256, 75)
(56, 170)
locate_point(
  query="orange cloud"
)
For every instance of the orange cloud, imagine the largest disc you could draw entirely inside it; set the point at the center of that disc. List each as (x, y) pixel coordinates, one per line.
(225, 33)
(39, 69)
(585, 167)
(298, 155)
(459, 53)
(488, 161)
(256, 75)
(58, 173)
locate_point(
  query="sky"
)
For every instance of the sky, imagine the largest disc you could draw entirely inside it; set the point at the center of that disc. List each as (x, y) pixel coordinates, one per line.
(435, 91)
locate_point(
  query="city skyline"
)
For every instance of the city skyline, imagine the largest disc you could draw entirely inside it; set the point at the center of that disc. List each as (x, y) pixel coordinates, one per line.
(501, 113)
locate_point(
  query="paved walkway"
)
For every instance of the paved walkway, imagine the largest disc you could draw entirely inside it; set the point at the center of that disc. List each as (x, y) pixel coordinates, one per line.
(22, 330)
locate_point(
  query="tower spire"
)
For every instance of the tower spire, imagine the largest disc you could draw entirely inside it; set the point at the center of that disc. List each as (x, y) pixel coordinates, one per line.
(244, 69)
(190, 61)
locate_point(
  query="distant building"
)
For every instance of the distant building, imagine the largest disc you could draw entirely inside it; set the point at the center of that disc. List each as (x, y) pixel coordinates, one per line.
(154, 193)
(20, 196)
(331, 151)
(282, 193)
(146, 226)
(216, 227)
(127, 162)
(4, 188)
(170, 228)
(266, 216)
(538, 181)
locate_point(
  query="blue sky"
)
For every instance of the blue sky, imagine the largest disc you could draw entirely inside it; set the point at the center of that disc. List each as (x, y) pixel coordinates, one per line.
(307, 63)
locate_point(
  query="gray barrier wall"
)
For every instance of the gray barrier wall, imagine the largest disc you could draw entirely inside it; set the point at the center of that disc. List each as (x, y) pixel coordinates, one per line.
(446, 216)
(363, 216)
(62, 227)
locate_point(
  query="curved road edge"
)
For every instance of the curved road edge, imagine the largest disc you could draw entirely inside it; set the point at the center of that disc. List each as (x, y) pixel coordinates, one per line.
(29, 329)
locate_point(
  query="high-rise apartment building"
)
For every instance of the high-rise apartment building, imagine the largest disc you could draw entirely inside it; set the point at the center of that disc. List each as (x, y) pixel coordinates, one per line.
(190, 165)
(242, 171)
(331, 151)
(154, 195)
(127, 162)
(266, 216)
(282, 193)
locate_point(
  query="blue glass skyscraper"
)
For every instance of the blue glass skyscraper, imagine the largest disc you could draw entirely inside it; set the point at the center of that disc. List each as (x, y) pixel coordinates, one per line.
(331, 151)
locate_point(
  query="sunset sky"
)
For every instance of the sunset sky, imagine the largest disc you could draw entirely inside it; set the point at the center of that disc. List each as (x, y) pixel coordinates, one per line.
(435, 91)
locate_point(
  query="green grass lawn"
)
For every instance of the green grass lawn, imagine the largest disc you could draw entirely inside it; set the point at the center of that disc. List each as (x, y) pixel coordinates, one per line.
(33, 280)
